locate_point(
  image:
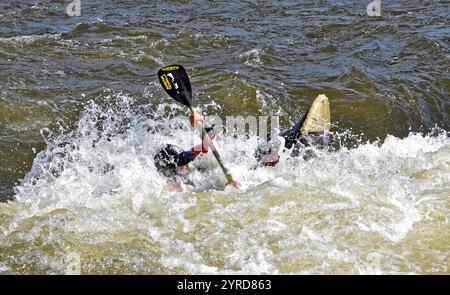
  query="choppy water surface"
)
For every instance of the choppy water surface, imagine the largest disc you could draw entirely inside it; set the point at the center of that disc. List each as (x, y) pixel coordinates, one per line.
(81, 114)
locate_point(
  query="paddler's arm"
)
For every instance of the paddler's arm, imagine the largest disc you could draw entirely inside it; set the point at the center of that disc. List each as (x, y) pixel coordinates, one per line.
(195, 119)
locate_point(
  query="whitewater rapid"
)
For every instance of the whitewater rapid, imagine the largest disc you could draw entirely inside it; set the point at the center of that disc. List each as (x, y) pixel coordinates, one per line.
(94, 194)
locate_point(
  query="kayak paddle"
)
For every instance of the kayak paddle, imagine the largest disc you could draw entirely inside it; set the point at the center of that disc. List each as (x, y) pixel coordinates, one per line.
(175, 82)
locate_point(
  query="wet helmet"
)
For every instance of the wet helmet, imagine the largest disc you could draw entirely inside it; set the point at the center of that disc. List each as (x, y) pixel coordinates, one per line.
(170, 157)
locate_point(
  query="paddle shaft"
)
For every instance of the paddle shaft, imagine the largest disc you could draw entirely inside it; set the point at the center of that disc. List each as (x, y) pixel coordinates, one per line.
(205, 136)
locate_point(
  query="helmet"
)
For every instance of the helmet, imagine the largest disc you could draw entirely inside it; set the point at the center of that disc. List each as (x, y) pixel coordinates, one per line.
(169, 158)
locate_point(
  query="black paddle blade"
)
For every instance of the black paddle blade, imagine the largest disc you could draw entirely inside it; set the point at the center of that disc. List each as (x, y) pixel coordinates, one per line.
(175, 81)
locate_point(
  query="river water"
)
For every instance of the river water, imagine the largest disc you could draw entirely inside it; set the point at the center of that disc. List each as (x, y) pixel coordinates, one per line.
(82, 113)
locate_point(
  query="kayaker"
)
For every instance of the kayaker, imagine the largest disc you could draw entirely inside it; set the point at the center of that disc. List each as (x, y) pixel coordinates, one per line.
(174, 163)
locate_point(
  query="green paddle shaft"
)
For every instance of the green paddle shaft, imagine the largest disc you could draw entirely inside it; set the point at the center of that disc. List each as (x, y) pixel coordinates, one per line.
(216, 154)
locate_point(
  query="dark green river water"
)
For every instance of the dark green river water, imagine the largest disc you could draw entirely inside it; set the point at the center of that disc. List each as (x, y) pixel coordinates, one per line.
(377, 204)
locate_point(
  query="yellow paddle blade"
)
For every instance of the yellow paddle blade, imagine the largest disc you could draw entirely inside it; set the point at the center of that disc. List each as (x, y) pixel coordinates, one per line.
(318, 118)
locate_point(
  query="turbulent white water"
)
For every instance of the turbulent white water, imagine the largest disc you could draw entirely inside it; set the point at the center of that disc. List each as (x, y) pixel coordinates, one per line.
(95, 194)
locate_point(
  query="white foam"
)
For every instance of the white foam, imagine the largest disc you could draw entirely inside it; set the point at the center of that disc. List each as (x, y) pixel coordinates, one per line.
(97, 185)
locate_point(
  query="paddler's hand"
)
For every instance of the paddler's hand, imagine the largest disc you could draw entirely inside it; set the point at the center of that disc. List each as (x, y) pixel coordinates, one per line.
(196, 119)
(234, 184)
(271, 160)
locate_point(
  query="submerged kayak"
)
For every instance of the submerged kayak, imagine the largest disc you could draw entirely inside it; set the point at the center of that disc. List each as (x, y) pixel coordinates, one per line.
(318, 118)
